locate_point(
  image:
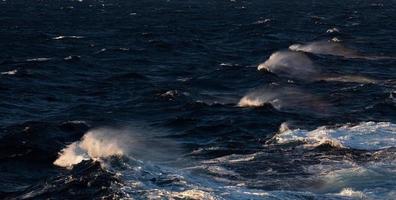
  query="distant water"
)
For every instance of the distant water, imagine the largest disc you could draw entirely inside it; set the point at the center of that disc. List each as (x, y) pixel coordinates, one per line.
(172, 99)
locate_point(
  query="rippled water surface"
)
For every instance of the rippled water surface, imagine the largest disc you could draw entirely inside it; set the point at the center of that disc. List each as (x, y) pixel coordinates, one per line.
(198, 99)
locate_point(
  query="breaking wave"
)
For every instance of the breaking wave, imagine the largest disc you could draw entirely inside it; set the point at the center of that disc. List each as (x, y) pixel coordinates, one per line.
(290, 64)
(350, 79)
(362, 136)
(284, 98)
(67, 37)
(333, 48)
(99, 144)
(297, 65)
(326, 48)
(94, 145)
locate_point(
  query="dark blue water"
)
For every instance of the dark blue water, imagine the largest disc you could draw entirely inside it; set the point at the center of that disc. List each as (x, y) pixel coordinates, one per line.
(164, 100)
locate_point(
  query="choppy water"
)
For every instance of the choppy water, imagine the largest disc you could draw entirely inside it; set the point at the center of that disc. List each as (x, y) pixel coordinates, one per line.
(198, 99)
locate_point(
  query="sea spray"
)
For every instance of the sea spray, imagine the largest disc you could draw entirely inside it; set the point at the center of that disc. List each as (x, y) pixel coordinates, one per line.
(95, 144)
(294, 64)
(362, 136)
(325, 48)
(285, 98)
(101, 143)
(334, 48)
(290, 64)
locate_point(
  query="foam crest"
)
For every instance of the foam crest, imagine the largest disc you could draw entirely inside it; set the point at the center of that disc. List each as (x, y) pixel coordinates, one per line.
(350, 79)
(289, 64)
(102, 143)
(67, 37)
(94, 145)
(11, 72)
(363, 136)
(364, 180)
(349, 192)
(284, 98)
(256, 100)
(38, 59)
(325, 48)
(334, 48)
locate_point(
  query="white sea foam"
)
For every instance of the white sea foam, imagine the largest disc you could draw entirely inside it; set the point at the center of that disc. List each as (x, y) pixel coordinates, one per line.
(94, 145)
(326, 48)
(334, 48)
(267, 95)
(365, 180)
(67, 37)
(102, 143)
(11, 72)
(349, 192)
(364, 136)
(262, 21)
(333, 30)
(297, 65)
(38, 59)
(349, 79)
(284, 98)
(290, 64)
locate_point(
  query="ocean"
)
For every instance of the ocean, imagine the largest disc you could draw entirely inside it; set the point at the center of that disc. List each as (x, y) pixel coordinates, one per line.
(198, 99)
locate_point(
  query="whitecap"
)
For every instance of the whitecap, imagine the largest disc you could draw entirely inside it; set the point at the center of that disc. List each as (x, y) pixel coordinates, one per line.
(38, 59)
(262, 21)
(333, 30)
(334, 48)
(100, 144)
(67, 37)
(349, 79)
(349, 192)
(363, 136)
(285, 98)
(171, 94)
(345, 178)
(290, 64)
(94, 145)
(11, 72)
(325, 48)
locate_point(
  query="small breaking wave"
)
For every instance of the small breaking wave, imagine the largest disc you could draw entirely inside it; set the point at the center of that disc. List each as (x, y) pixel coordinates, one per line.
(363, 136)
(67, 37)
(297, 65)
(350, 79)
(38, 59)
(99, 144)
(284, 98)
(325, 48)
(333, 48)
(94, 145)
(290, 64)
(333, 30)
(11, 72)
(374, 179)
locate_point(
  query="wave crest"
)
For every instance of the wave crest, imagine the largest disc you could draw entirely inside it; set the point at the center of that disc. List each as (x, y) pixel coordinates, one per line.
(285, 99)
(334, 48)
(325, 48)
(290, 64)
(94, 145)
(363, 136)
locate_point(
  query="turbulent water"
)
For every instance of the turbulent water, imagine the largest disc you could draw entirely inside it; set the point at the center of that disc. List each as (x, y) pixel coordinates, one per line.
(198, 99)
